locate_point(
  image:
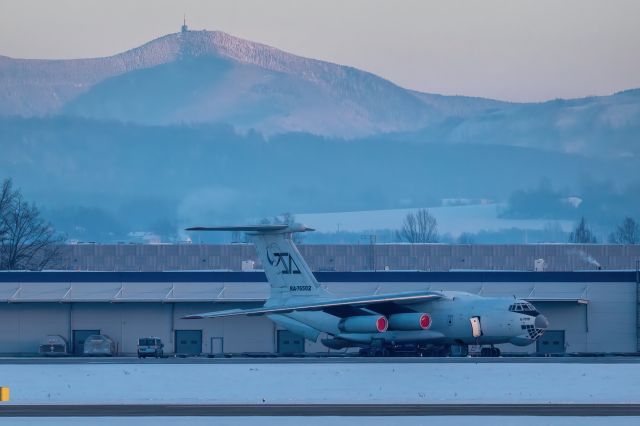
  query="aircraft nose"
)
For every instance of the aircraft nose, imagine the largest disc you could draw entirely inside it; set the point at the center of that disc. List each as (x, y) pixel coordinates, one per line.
(541, 322)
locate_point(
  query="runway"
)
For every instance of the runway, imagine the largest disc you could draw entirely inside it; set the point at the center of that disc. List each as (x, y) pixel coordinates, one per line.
(287, 410)
(324, 360)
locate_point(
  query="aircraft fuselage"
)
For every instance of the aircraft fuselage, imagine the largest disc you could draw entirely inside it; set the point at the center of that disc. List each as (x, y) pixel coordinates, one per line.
(457, 318)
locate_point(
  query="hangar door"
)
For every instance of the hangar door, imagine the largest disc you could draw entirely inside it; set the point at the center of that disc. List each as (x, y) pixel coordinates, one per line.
(290, 343)
(551, 342)
(189, 342)
(79, 336)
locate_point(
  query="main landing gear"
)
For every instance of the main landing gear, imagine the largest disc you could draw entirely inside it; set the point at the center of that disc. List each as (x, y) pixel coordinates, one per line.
(408, 350)
(490, 352)
(375, 352)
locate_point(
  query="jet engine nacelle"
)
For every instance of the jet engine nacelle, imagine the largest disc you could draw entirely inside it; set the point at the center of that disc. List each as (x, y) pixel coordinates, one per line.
(409, 321)
(364, 324)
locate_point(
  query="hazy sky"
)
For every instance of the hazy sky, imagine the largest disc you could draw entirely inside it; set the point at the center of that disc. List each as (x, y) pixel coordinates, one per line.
(506, 49)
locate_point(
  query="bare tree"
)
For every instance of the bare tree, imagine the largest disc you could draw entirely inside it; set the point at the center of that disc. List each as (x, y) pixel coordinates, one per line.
(419, 227)
(285, 218)
(582, 234)
(26, 240)
(6, 199)
(628, 232)
(466, 238)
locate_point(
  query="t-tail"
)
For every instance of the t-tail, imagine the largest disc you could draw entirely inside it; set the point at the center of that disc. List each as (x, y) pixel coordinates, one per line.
(286, 270)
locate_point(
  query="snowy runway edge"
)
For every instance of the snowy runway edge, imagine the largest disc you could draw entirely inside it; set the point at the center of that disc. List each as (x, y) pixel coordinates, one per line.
(318, 410)
(388, 383)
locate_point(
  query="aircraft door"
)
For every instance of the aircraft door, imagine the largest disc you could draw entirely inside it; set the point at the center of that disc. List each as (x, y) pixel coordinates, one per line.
(476, 327)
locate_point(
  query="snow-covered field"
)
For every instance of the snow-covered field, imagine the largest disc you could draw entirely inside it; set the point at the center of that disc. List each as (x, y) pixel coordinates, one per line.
(451, 219)
(321, 383)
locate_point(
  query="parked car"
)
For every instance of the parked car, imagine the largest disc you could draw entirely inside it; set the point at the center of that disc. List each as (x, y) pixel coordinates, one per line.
(99, 344)
(53, 345)
(150, 346)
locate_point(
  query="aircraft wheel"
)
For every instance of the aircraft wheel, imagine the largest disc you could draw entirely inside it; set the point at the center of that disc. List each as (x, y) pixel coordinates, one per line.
(445, 351)
(464, 351)
(485, 352)
(495, 352)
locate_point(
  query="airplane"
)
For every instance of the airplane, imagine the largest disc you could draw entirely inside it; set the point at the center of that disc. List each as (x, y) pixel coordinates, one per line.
(431, 323)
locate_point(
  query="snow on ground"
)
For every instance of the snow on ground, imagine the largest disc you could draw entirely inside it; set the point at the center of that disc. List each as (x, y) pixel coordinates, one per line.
(451, 219)
(323, 421)
(321, 383)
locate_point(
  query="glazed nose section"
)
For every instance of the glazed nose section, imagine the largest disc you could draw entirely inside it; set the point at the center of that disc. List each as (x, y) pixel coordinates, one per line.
(542, 322)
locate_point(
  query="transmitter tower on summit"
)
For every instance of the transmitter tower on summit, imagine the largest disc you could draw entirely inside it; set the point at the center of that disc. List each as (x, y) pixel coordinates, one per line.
(184, 27)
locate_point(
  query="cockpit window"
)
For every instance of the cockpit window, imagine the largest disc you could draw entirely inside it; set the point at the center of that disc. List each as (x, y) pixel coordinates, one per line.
(524, 307)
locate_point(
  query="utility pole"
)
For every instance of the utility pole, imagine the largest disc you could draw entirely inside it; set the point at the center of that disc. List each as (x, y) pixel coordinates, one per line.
(372, 250)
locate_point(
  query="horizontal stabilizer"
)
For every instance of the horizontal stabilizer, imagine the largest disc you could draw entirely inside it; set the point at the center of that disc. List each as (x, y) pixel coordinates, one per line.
(363, 301)
(258, 229)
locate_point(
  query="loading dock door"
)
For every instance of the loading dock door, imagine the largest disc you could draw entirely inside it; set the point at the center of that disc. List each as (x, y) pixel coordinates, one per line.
(79, 336)
(551, 342)
(290, 343)
(189, 342)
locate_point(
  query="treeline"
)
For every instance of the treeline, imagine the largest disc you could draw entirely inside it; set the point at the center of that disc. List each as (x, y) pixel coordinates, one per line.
(422, 227)
(604, 202)
(111, 181)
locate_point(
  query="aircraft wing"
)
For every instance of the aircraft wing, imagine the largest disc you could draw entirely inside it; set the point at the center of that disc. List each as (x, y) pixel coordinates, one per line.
(327, 304)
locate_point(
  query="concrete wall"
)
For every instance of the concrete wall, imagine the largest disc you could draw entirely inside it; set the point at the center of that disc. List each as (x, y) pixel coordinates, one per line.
(428, 257)
(240, 334)
(124, 323)
(25, 324)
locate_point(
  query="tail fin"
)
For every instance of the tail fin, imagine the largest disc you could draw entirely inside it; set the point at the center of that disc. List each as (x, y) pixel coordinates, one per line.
(286, 270)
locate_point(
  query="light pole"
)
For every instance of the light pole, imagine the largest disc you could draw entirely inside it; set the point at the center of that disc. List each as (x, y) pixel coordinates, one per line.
(372, 253)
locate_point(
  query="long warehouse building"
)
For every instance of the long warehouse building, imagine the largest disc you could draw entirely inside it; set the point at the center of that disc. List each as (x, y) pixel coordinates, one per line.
(354, 257)
(589, 311)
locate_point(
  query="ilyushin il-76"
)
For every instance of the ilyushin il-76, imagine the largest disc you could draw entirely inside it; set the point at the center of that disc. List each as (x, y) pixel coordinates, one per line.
(430, 322)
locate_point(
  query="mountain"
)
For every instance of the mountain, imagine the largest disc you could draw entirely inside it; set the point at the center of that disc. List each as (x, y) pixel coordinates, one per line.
(596, 126)
(213, 77)
(203, 76)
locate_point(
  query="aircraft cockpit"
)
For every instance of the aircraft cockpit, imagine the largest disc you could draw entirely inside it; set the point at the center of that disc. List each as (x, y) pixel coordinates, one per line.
(525, 308)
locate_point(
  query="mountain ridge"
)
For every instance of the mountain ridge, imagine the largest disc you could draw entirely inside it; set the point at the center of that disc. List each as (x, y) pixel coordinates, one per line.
(211, 76)
(39, 87)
